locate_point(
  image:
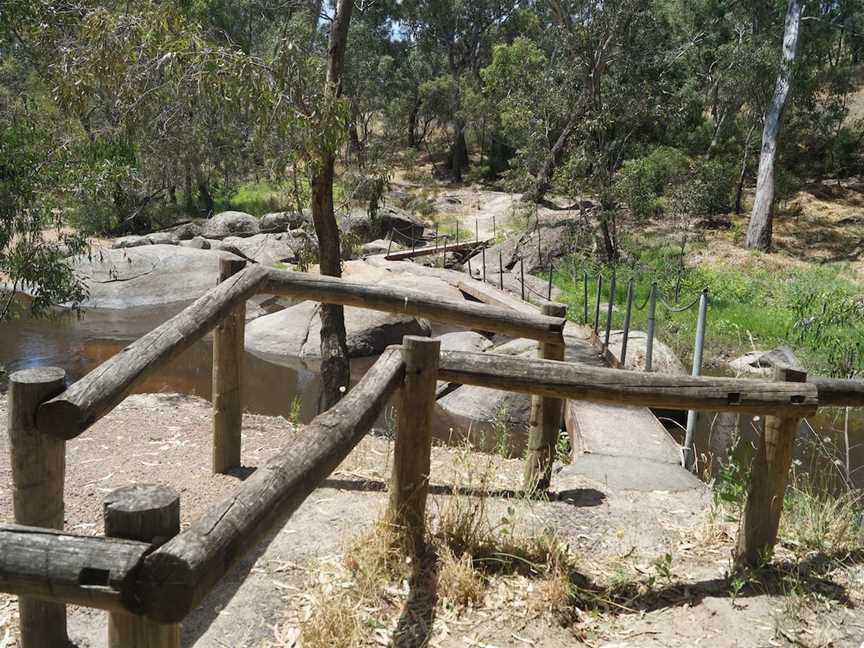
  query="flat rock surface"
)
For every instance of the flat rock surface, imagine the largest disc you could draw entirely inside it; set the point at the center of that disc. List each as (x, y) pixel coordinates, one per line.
(148, 275)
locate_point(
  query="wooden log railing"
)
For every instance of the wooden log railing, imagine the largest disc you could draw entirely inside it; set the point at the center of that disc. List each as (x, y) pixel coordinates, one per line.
(162, 584)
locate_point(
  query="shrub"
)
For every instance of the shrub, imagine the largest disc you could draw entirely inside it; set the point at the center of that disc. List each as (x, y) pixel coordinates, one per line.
(642, 182)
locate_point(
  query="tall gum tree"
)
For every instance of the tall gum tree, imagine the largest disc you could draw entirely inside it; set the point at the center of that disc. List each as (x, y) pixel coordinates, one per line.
(335, 370)
(760, 230)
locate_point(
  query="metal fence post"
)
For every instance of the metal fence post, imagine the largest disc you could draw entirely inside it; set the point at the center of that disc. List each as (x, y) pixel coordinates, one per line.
(585, 297)
(627, 314)
(551, 270)
(687, 458)
(649, 340)
(597, 304)
(483, 252)
(500, 271)
(609, 310)
(522, 276)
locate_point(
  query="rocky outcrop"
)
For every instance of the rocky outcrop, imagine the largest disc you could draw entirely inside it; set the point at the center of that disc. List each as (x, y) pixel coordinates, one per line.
(761, 362)
(197, 243)
(147, 275)
(269, 249)
(403, 225)
(230, 223)
(467, 341)
(294, 333)
(663, 359)
(157, 238)
(281, 221)
(379, 246)
(187, 231)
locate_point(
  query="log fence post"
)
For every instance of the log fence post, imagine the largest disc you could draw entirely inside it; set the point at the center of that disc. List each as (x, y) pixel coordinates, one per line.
(38, 470)
(760, 520)
(411, 457)
(228, 345)
(545, 421)
(147, 513)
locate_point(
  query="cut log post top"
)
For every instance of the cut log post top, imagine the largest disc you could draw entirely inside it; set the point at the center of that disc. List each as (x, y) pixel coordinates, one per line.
(617, 386)
(97, 393)
(332, 290)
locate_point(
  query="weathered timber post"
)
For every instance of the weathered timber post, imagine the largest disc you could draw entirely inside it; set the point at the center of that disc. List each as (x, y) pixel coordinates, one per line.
(147, 513)
(760, 520)
(38, 471)
(545, 421)
(228, 344)
(411, 458)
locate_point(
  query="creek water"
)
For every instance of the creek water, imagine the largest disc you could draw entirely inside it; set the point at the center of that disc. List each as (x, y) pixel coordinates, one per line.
(78, 344)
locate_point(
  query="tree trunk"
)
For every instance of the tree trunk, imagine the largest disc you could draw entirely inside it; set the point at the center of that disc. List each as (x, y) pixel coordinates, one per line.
(760, 228)
(544, 177)
(204, 195)
(335, 371)
(412, 122)
(458, 151)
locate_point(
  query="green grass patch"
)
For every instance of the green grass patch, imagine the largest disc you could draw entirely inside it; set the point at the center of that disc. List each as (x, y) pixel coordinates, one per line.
(815, 310)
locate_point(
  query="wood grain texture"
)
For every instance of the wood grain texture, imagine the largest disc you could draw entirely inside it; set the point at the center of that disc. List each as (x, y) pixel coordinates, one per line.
(97, 393)
(148, 513)
(417, 303)
(409, 486)
(228, 345)
(61, 567)
(617, 386)
(545, 419)
(38, 462)
(760, 520)
(178, 575)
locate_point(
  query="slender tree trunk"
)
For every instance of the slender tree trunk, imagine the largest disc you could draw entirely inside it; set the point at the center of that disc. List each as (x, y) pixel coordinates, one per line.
(412, 122)
(335, 370)
(759, 231)
(544, 177)
(458, 151)
(739, 193)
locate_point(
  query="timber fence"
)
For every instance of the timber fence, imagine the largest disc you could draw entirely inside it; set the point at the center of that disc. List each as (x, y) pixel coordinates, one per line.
(149, 575)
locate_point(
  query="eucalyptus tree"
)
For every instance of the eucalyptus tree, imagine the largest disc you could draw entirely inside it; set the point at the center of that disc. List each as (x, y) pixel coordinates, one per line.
(460, 33)
(759, 231)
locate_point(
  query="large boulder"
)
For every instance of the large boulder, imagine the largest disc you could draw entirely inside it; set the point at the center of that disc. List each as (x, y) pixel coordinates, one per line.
(663, 359)
(196, 242)
(269, 249)
(147, 275)
(295, 332)
(187, 231)
(157, 238)
(761, 362)
(482, 414)
(379, 246)
(402, 225)
(468, 341)
(230, 223)
(281, 221)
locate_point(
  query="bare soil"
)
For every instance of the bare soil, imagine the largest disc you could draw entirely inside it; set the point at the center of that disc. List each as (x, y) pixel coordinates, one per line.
(617, 536)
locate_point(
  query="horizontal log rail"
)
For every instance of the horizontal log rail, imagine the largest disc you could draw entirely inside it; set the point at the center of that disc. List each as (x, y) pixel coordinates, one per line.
(51, 565)
(838, 392)
(177, 576)
(97, 393)
(431, 249)
(620, 387)
(331, 290)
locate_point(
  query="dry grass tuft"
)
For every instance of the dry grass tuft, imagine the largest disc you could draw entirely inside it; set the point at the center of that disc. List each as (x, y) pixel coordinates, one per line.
(334, 624)
(816, 521)
(460, 585)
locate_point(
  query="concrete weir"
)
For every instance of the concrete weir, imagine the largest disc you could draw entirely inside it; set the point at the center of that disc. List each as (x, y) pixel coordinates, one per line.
(623, 448)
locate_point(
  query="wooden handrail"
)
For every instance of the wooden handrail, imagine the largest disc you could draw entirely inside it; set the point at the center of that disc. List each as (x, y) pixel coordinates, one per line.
(83, 570)
(97, 393)
(838, 392)
(177, 576)
(620, 387)
(331, 290)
